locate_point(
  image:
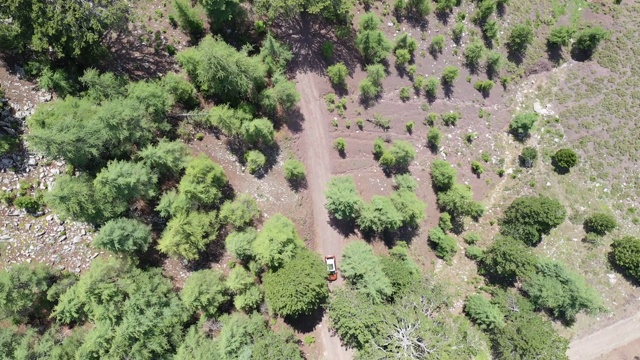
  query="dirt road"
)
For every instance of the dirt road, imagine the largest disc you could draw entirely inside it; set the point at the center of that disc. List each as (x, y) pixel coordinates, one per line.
(315, 139)
(603, 342)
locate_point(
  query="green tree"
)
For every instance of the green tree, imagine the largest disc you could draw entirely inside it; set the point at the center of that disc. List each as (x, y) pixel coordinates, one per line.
(529, 336)
(371, 41)
(181, 89)
(600, 223)
(458, 202)
(123, 236)
(443, 175)
(625, 253)
(490, 29)
(277, 242)
(483, 313)
(222, 12)
(188, 234)
(258, 132)
(308, 272)
(240, 243)
(273, 345)
(507, 260)
(275, 54)
(338, 74)
(430, 87)
(402, 57)
(409, 206)
(167, 159)
(205, 291)
(255, 161)
(522, 124)
(434, 138)
(202, 182)
(527, 218)
(23, 292)
(74, 198)
(560, 36)
(381, 215)
(196, 345)
(473, 53)
(528, 157)
(446, 246)
(283, 95)
(437, 45)
(564, 159)
(240, 212)
(188, 19)
(362, 269)
(101, 87)
(239, 333)
(418, 8)
(400, 269)
(449, 75)
(343, 200)
(563, 292)
(220, 70)
(403, 153)
(405, 182)
(334, 11)
(520, 38)
(588, 39)
(494, 62)
(229, 121)
(294, 171)
(406, 42)
(354, 317)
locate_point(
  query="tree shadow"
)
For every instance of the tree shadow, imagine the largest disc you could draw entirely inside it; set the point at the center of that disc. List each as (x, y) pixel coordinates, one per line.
(501, 9)
(306, 323)
(580, 55)
(554, 54)
(448, 90)
(344, 227)
(516, 56)
(213, 253)
(298, 185)
(443, 16)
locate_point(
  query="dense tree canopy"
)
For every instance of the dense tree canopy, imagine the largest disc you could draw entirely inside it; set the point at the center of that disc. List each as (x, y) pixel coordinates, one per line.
(506, 260)
(123, 236)
(529, 336)
(530, 217)
(188, 234)
(205, 291)
(277, 242)
(354, 317)
(364, 271)
(23, 292)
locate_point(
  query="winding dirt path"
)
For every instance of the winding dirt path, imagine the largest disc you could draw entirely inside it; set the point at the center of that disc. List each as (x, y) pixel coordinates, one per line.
(604, 342)
(315, 139)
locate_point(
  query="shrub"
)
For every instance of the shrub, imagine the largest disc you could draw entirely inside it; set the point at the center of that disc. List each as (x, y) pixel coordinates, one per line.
(527, 218)
(587, 40)
(405, 94)
(343, 200)
(27, 203)
(368, 90)
(519, 38)
(474, 253)
(522, 124)
(443, 175)
(372, 42)
(406, 42)
(327, 49)
(409, 126)
(486, 315)
(473, 53)
(376, 73)
(457, 32)
(420, 8)
(379, 148)
(294, 171)
(402, 152)
(450, 118)
(405, 182)
(507, 260)
(564, 159)
(458, 201)
(381, 122)
(445, 245)
(340, 144)
(437, 44)
(471, 238)
(430, 87)
(476, 168)
(600, 223)
(528, 157)
(490, 29)
(255, 161)
(560, 36)
(241, 212)
(402, 57)
(412, 70)
(205, 290)
(338, 74)
(483, 86)
(188, 19)
(449, 75)
(485, 9)
(625, 253)
(445, 222)
(494, 62)
(431, 119)
(434, 137)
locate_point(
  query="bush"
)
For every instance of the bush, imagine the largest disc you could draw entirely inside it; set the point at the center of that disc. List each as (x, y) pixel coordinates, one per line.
(405, 94)
(241, 212)
(443, 175)
(457, 32)
(507, 260)
(430, 87)
(625, 253)
(483, 86)
(379, 148)
(494, 62)
(437, 44)
(445, 222)
(522, 124)
(294, 171)
(445, 245)
(473, 53)
(486, 315)
(338, 74)
(343, 200)
(528, 218)
(450, 118)
(29, 204)
(403, 153)
(519, 38)
(471, 238)
(560, 36)
(255, 161)
(402, 57)
(449, 75)
(587, 40)
(372, 42)
(376, 73)
(340, 144)
(528, 157)
(564, 159)
(123, 236)
(458, 201)
(474, 253)
(600, 223)
(368, 90)
(327, 50)
(434, 137)
(476, 168)
(188, 19)
(406, 42)
(485, 9)
(405, 182)
(490, 29)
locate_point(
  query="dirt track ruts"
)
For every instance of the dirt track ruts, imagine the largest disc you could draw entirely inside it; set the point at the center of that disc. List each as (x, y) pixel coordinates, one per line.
(605, 340)
(328, 240)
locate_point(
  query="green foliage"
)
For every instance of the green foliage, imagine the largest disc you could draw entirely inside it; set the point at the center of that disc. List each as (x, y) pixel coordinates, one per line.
(205, 291)
(23, 292)
(405, 182)
(294, 171)
(560, 36)
(188, 19)
(182, 90)
(258, 132)
(362, 269)
(564, 159)
(443, 175)
(402, 153)
(402, 57)
(408, 204)
(471, 238)
(343, 200)
(400, 269)
(520, 38)
(340, 144)
(380, 215)
(240, 243)
(599, 223)
(188, 234)
(457, 31)
(371, 41)
(483, 86)
(238, 335)
(494, 62)
(458, 201)
(445, 245)
(528, 157)
(450, 118)
(529, 336)
(62, 29)
(490, 29)
(167, 159)
(522, 124)
(483, 313)
(563, 292)
(100, 87)
(123, 236)
(74, 198)
(222, 12)
(275, 345)
(379, 147)
(405, 94)
(476, 167)
(588, 39)
(474, 253)
(434, 138)
(444, 222)
(354, 317)
(276, 243)
(275, 54)
(299, 287)
(338, 74)
(406, 42)
(30, 204)
(528, 218)
(336, 12)
(473, 53)
(376, 73)
(417, 8)
(241, 212)
(430, 87)
(449, 74)
(58, 81)
(220, 70)
(283, 95)
(229, 121)
(625, 253)
(202, 182)
(507, 260)
(255, 161)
